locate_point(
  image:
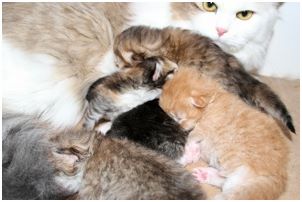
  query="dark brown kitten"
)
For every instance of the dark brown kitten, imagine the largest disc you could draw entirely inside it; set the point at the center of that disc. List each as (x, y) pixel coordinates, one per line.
(186, 48)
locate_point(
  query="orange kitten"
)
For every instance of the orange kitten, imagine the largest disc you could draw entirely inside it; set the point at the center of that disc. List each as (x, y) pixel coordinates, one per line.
(245, 148)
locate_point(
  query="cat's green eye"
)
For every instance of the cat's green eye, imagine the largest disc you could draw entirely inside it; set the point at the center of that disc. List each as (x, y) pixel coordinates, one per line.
(209, 6)
(244, 15)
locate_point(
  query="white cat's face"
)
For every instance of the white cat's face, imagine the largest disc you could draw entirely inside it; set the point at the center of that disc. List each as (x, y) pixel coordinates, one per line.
(233, 24)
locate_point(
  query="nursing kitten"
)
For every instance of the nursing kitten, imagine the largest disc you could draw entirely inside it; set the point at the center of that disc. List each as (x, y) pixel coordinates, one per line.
(53, 52)
(112, 95)
(26, 171)
(192, 50)
(246, 149)
(118, 169)
(150, 126)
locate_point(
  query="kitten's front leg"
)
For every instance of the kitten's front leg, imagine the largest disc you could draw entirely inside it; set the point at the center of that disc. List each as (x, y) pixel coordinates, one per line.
(103, 128)
(209, 175)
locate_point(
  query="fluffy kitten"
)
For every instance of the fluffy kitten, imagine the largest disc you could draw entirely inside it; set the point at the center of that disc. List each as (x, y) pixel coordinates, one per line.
(119, 169)
(26, 171)
(247, 148)
(112, 95)
(53, 52)
(189, 49)
(150, 126)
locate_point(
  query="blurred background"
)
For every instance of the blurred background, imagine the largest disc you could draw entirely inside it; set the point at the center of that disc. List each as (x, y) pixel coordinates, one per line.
(284, 50)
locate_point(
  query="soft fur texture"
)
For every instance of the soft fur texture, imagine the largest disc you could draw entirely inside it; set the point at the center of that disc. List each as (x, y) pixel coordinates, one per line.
(26, 171)
(53, 52)
(247, 147)
(192, 50)
(40, 163)
(112, 95)
(150, 126)
(118, 169)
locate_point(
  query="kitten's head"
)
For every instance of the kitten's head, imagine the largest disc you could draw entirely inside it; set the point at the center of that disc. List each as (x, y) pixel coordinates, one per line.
(230, 24)
(138, 44)
(117, 93)
(186, 95)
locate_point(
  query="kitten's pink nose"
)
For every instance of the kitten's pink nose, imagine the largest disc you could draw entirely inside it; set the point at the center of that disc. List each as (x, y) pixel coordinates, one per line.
(220, 31)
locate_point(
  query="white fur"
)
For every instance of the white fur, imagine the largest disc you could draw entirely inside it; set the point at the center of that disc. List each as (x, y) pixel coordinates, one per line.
(107, 65)
(136, 97)
(104, 128)
(153, 14)
(32, 85)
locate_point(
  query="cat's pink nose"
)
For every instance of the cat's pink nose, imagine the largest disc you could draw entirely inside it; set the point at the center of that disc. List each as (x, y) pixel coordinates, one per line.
(220, 31)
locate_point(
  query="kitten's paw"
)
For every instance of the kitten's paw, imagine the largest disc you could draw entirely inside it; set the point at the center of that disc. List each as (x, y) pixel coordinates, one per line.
(208, 175)
(65, 162)
(103, 128)
(68, 159)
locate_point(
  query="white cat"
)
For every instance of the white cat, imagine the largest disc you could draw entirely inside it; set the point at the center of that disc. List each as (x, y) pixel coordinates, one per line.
(243, 29)
(52, 52)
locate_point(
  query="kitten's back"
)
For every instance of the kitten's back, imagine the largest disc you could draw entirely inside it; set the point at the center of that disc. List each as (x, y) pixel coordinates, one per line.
(150, 126)
(125, 170)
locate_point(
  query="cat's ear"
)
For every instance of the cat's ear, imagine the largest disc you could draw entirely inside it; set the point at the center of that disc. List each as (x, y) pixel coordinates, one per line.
(198, 101)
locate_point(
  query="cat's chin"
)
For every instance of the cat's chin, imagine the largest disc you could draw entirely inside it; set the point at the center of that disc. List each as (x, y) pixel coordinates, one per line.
(228, 47)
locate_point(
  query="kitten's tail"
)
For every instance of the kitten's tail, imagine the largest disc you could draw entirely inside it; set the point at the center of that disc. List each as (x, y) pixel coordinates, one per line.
(256, 94)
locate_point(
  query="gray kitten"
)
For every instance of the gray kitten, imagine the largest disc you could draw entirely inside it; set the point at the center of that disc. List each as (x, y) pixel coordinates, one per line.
(26, 171)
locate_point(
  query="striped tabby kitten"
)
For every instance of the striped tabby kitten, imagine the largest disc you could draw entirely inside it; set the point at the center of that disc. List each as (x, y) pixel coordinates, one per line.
(100, 168)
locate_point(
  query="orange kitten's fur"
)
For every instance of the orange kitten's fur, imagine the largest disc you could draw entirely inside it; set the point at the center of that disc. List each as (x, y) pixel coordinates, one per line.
(246, 146)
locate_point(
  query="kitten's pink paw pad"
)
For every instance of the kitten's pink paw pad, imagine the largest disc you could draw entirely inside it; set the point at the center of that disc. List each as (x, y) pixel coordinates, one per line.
(201, 175)
(208, 175)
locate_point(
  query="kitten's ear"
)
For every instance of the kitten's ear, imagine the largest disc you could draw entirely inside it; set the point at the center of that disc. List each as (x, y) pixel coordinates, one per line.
(201, 100)
(198, 101)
